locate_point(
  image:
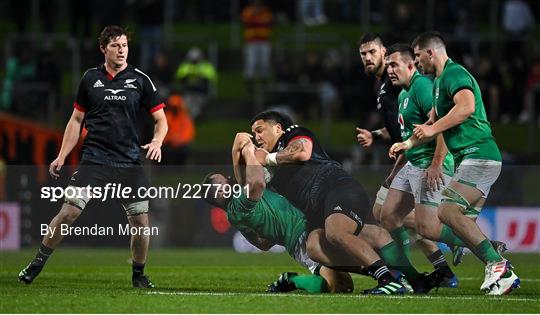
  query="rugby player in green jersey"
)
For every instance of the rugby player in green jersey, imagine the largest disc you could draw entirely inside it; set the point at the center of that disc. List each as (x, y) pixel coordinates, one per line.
(372, 51)
(266, 218)
(461, 118)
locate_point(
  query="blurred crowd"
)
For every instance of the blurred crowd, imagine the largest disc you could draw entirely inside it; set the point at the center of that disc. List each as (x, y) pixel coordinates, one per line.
(495, 46)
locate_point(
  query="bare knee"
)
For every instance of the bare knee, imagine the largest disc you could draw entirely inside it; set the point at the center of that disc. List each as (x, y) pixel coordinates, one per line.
(426, 230)
(140, 220)
(313, 246)
(335, 237)
(68, 214)
(389, 221)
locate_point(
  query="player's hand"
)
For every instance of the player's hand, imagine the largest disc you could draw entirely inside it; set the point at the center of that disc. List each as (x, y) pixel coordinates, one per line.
(241, 140)
(55, 167)
(364, 137)
(249, 149)
(260, 155)
(396, 149)
(431, 116)
(434, 177)
(423, 131)
(154, 150)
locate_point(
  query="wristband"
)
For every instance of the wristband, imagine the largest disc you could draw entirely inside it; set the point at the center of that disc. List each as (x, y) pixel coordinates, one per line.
(271, 159)
(408, 144)
(157, 140)
(376, 133)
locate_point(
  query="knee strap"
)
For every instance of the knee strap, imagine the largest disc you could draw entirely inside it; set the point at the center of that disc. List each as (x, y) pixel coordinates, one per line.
(449, 195)
(381, 195)
(136, 208)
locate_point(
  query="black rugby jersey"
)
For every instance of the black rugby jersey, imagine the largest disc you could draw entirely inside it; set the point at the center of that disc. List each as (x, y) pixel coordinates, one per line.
(305, 185)
(387, 105)
(111, 107)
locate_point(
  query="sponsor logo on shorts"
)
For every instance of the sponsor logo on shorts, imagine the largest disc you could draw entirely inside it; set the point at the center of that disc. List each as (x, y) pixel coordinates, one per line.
(338, 208)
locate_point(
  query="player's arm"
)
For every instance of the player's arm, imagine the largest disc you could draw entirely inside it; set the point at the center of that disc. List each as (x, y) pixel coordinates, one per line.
(71, 137)
(463, 108)
(160, 131)
(240, 140)
(435, 179)
(366, 137)
(254, 173)
(400, 147)
(256, 240)
(296, 152)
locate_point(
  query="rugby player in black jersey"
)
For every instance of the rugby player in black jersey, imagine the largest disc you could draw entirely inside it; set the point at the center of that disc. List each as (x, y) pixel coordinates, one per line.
(333, 202)
(108, 102)
(372, 51)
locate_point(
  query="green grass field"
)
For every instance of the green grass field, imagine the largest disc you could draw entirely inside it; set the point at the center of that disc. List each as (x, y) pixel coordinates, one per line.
(221, 281)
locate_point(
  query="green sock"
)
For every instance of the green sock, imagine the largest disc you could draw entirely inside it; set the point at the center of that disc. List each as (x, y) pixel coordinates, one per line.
(401, 236)
(486, 252)
(448, 237)
(396, 259)
(310, 283)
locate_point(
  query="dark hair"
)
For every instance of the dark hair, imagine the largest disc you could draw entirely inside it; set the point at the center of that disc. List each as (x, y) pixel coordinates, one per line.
(404, 49)
(111, 32)
(428, 39)
(370, 37)
(210, 195)
(279, 117)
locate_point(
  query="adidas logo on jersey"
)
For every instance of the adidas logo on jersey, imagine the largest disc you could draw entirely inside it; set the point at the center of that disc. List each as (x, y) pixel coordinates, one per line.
(98, 84)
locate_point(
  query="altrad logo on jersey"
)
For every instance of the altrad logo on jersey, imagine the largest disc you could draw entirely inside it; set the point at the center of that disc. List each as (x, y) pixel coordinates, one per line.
(114, 97)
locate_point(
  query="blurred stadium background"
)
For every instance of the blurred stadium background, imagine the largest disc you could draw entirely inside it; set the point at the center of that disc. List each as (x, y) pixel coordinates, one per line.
(315, 73)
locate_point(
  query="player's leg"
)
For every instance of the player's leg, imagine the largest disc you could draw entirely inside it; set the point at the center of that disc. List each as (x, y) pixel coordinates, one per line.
(336, 281)
(398, 204)
(137, 213)
(469, 186)
(70, 211)
(65, 217)
(342, 232)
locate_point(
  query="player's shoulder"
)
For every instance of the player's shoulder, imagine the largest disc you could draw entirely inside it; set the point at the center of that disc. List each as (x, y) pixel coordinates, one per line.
(455, 69)
(90, 73)
(422, 83)
(141, 75)
(295, 131)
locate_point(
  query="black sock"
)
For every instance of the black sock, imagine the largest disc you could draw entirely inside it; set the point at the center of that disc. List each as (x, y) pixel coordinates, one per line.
(138, 269)
(438, 261)
(42, 255)
(379, 271)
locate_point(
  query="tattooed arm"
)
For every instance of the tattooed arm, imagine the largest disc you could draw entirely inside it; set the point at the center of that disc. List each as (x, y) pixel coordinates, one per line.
(296, 152)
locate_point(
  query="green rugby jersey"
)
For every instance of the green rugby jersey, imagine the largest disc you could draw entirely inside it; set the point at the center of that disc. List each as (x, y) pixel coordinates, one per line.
(472, 139)
(415, 103)
(273, 218)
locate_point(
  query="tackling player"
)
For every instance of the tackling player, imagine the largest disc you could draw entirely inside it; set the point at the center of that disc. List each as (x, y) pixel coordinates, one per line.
(462, 121)
(108, 102)
(265, 218)
(333, 202)
(372, 51)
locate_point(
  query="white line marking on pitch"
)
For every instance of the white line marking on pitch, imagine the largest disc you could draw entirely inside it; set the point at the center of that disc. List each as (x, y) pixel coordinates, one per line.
(522, 279)
(340, 296)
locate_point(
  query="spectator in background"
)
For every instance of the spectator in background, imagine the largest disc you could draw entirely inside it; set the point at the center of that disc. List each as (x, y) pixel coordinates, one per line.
(19, 68)
(48, 73)
(257, 19)
(150, 18)
(517, 17)
(176, 145)
(489, 79)
(197, 79)
(312, 12)
(162, 74)
(531, 110)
